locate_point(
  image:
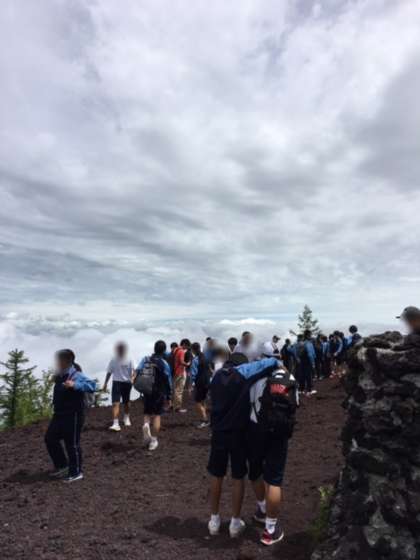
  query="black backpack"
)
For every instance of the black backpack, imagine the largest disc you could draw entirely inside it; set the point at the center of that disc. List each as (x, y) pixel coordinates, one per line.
(278, 405)
(147, 380)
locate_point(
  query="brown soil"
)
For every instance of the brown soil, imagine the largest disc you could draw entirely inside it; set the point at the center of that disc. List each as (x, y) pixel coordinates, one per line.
(134, 504)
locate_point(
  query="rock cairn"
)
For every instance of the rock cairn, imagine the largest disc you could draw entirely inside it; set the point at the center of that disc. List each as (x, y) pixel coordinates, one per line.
(375, 512)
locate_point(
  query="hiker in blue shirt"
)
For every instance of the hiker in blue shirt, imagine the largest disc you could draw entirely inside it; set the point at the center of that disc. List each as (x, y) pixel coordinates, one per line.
(70, 386)
(307, 360)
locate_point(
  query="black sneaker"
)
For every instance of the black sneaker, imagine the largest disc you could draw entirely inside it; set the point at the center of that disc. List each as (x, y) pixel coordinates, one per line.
(272, 538)
(259, 516)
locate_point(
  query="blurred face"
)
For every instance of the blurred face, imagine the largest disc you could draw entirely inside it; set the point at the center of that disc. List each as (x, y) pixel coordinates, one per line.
(232, 346)
(121, 350)
(61, 364)
(247, 340)
(413, 324)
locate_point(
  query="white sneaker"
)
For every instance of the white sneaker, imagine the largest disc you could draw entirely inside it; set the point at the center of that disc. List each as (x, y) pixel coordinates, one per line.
(115, 428)
(214, 527)
(147, 436)
(74, 478)
(127, 421)
(153, 444)
(236, 530)
(313, 392)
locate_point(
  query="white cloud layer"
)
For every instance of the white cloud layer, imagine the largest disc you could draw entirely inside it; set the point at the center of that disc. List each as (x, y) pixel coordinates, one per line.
(209, 159)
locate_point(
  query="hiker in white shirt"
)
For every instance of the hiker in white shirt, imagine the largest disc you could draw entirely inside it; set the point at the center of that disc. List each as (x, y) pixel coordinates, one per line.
(121, 370)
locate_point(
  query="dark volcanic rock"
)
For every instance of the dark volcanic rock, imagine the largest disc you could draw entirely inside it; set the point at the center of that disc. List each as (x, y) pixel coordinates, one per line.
(375, 512)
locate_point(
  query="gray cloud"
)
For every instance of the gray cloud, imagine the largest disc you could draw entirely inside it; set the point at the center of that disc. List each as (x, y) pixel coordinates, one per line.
(213, 161)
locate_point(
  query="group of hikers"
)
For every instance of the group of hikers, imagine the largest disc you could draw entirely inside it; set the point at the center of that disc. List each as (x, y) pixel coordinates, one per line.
(246, 393)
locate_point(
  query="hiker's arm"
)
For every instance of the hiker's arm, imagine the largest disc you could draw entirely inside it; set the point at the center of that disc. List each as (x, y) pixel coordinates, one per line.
(340, 347)
(84, 384)
(139, 368)
(194, 369)
(167, 371)
(255, 368)
(107, 378)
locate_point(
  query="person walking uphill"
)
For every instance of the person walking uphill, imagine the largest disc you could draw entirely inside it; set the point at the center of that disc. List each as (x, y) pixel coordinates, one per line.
(67, 421)
(154, 381)
(121, 370)
(180, 373)
(229, 391)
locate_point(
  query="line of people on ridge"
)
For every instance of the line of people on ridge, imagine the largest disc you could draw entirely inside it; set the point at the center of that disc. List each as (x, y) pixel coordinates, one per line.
(253, 396)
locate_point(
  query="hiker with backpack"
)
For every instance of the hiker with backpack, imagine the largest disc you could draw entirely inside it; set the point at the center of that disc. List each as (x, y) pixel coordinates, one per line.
(229, 392)
(200, 377)
(70, 388)
(154, 381)
(274, 401)
(121, 370)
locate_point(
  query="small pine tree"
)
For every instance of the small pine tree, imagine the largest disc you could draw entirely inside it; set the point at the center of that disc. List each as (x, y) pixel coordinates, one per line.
(307, 321)
(18, 389)
(44, 394)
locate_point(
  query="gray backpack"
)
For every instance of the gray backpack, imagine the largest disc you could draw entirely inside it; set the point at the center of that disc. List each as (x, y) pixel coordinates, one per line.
(145, 381)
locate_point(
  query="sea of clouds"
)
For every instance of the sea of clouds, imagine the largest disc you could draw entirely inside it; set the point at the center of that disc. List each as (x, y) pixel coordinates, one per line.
(93, 341)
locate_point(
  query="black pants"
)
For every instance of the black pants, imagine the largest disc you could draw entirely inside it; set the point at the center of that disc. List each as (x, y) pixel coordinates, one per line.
(65, 427)
(306, 375)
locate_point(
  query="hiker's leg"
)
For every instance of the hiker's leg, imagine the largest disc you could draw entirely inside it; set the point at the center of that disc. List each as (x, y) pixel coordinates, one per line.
(238, 492)
(73, 429)
(116, 411)
(259, 489)
(201, 407)
(156, 425)
(53, 438)
(273, 497)
(216, 485)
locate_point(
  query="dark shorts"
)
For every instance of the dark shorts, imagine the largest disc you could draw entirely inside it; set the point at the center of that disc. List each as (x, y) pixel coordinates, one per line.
(267, 456)
(225, 447)
(120, 391)
(154, 404)
(200, 392)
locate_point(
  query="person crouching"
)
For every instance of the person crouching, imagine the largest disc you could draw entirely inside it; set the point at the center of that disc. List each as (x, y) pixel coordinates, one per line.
(66, 424)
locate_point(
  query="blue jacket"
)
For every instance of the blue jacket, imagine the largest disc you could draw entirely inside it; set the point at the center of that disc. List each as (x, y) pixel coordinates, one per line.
(69, 401)
(200, 370)
(310, 351)
(229, 391)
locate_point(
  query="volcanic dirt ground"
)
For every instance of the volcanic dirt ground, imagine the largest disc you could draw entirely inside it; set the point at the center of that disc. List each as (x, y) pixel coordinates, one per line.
(134, 504)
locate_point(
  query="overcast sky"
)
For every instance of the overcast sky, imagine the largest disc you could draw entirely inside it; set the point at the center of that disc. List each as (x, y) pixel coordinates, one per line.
(209, 159)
